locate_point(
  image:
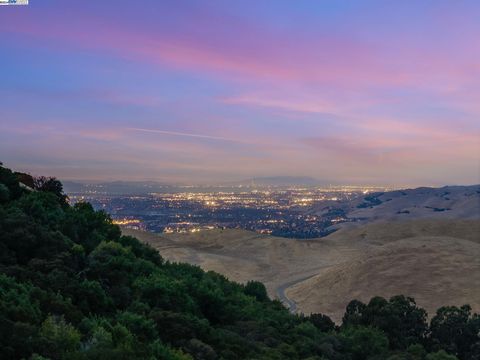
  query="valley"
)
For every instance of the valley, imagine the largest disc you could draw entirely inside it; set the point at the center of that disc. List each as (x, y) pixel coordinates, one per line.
(434, 261)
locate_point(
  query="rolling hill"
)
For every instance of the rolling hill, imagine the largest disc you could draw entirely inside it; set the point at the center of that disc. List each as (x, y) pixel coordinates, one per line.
(449, 202)
(435, 261)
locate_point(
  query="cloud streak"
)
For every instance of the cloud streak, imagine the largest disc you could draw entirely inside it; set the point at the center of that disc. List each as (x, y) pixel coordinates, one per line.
(183, 134)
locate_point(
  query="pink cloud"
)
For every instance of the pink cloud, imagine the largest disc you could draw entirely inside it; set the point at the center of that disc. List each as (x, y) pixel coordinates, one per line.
(377, 148)
(319, 106)
(266, 54)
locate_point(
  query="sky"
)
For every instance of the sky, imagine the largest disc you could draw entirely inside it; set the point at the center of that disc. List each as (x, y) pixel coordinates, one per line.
(208, 91)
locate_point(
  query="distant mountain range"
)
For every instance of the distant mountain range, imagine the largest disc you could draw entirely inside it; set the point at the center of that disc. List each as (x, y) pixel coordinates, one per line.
(145, 187)
(116, 187)
(279, 181)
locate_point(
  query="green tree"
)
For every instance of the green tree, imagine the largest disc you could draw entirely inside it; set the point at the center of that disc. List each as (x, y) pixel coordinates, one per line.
(455, 330)
(354, 313)
(9, 180)
(364, 342)
(441, 355)
(257, 290)
(4, 193)
(50, 185)
(399, 318)
(322, 322)
(416, 352)
(58, 339)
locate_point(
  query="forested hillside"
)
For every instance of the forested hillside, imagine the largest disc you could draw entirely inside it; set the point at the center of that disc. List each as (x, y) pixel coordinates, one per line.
(72, 287)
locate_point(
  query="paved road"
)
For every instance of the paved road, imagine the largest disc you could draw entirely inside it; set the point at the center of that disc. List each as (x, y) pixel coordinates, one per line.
(280, 291)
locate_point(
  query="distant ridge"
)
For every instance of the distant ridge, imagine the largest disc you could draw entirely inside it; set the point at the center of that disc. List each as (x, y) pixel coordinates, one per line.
(279, 181)
(116, 187)
(145, 187)
(448, 202)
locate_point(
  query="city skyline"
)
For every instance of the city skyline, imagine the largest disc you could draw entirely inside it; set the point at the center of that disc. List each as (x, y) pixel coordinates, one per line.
(371, 92)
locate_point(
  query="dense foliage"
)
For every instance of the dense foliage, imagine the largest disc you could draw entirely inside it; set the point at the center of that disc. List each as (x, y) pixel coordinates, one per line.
(72, 287)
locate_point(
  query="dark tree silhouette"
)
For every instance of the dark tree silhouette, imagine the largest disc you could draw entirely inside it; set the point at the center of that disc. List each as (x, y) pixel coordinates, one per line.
(52, 185)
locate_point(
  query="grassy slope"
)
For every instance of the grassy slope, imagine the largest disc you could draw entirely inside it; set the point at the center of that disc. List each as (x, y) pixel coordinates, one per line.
(435, 261)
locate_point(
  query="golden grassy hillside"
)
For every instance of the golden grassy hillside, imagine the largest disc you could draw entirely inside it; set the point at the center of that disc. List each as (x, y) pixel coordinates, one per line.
(435, 261)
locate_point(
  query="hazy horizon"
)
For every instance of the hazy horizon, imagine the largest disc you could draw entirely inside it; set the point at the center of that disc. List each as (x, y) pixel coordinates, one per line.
(248, 182)
(369, 92)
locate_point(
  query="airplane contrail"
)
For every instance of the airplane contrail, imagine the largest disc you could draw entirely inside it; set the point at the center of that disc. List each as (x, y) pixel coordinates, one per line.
(175, 133)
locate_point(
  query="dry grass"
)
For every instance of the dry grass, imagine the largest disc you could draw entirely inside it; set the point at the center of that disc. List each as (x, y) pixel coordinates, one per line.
(435, 261)
(436, 271)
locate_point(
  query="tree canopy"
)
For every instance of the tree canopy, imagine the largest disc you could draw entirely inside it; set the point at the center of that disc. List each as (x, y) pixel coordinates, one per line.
(72, 287)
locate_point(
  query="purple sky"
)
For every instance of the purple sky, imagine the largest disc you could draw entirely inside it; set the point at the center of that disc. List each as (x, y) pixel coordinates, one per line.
(381, 92)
